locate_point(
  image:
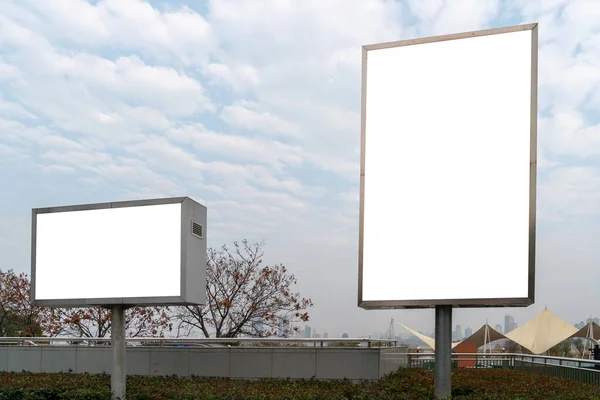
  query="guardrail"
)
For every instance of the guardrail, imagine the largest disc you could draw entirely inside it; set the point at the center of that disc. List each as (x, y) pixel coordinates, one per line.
(193, 342)
(587, 371)
(578, 369)
(467, 360)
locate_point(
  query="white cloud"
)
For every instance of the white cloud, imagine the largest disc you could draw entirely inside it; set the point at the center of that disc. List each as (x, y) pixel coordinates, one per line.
(543, 161)
(242, 147)
(16, 133)
(83, 92)
(6, 151)
(8, 73)
(58, 169)
(437, 17)
(567, 133)
(569, 60)
(131, 24)
(352, 197)
(15, 110)
(241, 78)
(245, 116)
(135, 179)
(571, 192)
(80, 159)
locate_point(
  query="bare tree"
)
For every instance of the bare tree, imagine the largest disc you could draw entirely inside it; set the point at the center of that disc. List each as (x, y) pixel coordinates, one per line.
(96, 322)
(18, 317)
(244, 297)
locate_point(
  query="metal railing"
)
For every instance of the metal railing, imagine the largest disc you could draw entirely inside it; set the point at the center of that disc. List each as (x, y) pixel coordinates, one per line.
(587, 371)
(466, 360)
(577, 369)
(197, 342)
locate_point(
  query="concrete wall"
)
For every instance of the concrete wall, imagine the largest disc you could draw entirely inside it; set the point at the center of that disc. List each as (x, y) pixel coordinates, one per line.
(233, 362)
(390, 359)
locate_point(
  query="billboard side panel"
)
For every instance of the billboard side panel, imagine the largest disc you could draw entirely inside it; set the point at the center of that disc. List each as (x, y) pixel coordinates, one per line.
(195, 223)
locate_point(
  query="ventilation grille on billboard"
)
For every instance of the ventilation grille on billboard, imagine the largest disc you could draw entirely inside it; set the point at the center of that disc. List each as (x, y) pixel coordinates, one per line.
(197, 230)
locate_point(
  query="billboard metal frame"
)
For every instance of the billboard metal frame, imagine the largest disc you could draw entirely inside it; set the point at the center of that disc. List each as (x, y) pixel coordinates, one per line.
(125, 301)
(483, 302)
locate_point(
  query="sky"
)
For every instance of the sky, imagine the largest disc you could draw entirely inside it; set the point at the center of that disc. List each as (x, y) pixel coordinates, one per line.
(254, 109)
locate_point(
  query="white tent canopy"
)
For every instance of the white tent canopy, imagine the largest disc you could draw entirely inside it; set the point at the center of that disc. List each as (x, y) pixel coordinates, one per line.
(539, 334)
(426, 339)
(542, 332)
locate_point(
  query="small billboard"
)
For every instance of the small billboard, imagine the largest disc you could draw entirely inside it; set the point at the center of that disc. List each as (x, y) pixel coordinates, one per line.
(143, 252)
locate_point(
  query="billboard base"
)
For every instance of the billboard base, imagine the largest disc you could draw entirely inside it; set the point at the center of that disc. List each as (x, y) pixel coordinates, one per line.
(443, 352)
(117, 344)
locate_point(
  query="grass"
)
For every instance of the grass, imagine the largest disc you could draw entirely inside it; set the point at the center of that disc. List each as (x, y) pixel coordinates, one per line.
(484, 384)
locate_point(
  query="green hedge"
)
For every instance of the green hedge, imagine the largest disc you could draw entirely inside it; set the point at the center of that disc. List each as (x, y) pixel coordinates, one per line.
(467, 384)
(55, 394)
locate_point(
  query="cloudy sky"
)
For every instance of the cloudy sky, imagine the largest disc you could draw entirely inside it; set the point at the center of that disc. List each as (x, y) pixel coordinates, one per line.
(253, 107)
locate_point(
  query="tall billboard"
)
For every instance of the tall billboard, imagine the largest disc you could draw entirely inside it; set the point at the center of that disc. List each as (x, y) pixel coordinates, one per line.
(448, 171)
(146, 252)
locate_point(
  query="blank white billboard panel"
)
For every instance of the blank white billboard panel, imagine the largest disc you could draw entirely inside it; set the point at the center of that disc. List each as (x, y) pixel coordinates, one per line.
(130, 252)
(448, 171)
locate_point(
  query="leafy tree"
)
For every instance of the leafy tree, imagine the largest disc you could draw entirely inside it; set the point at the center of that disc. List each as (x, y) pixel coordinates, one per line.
(563, 349)
(17, 316)
(512, 347)
(579, 345)
(244, 297)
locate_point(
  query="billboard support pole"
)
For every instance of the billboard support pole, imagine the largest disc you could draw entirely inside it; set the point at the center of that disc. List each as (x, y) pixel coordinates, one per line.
(118, 346)
(443, 352)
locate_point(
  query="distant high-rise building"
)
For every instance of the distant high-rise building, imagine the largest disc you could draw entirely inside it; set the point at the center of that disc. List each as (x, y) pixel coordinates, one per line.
(317, 336)
(468, 332)
(326, 335)
(498, 327)
(459, 335)
(509, 322)
(307, 332)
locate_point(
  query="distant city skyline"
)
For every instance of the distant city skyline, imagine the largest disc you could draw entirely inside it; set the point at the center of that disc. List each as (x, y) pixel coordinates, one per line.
(457, 333)
(581, 324)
